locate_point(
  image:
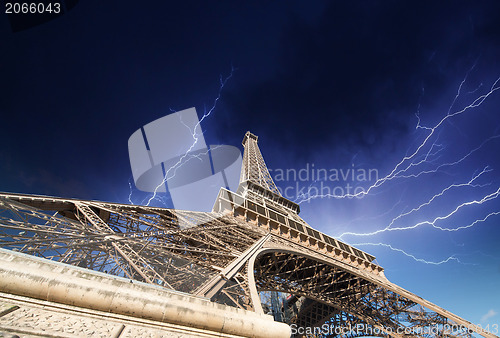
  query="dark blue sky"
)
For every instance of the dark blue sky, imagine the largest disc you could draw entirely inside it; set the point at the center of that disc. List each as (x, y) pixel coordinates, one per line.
(337, 84)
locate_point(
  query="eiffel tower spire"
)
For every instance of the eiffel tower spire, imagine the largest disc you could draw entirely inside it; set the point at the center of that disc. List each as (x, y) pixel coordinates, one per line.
(256, 183)
(254, 168)
(253, 242)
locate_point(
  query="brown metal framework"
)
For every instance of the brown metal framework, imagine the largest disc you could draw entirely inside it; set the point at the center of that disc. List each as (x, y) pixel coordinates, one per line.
(254, 168)
(253, 241)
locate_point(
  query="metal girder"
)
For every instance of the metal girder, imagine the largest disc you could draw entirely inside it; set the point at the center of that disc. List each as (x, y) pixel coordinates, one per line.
(257, 244)
(254, 168)
(214, 285)
(141, 243)
(377, 303)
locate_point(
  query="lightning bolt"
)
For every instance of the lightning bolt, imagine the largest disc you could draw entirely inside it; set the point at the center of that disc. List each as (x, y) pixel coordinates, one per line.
(420, 260)
(452, 258)
(131, 190)
(428, 152)
(407, 162)
(170, 172)
(432, 223)
(450, 164)
(470, 183)
(179, 165)
(206, 114)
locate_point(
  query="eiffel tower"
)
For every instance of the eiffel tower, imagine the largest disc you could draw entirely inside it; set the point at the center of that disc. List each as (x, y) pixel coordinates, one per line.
(252, 245)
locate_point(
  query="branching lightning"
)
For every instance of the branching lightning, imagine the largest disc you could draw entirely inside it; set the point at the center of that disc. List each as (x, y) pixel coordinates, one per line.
(439, 218)
(170, 172)
(206, 114)
(420, 260)
(449, 164)
(187, 159)
(433, 222)
(411, 166)
(407, 162)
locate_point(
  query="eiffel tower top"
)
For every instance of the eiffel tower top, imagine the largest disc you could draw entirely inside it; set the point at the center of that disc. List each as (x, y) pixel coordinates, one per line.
(255, 176)
(253, 241)
(254, 168)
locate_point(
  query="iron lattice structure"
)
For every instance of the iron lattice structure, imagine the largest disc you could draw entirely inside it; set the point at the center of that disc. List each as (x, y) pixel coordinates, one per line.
(252, 242)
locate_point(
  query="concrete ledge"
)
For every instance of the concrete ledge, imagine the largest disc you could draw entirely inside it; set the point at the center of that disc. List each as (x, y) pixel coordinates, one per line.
(29, 276)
